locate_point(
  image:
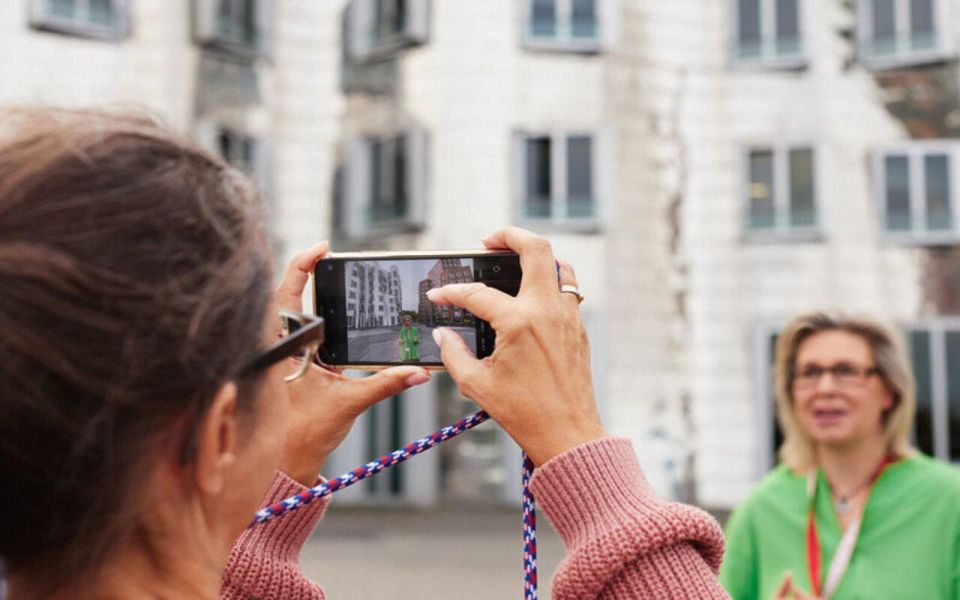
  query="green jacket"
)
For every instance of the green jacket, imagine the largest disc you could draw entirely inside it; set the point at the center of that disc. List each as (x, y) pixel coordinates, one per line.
(409, 343)
(909, 544)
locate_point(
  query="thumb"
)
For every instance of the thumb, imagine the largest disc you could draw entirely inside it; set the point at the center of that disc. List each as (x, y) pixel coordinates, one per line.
(367, 391)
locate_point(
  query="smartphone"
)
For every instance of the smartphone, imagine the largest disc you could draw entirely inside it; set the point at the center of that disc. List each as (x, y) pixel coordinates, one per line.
(377, 314)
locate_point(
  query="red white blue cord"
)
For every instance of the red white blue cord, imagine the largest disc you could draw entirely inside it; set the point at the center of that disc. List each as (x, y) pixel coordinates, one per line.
(529, 534)
(398, 456)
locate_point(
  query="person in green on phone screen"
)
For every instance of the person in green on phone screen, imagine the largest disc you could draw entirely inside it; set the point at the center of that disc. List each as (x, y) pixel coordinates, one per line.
(409, 341)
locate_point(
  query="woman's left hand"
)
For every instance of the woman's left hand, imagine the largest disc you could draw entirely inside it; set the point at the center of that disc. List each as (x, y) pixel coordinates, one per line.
(324, 404)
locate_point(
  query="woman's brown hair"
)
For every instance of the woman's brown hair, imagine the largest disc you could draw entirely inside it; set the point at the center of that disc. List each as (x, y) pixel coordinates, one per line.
(134, 281)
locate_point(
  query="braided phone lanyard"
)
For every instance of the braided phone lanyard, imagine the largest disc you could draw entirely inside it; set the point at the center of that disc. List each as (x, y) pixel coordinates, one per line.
(398, 456)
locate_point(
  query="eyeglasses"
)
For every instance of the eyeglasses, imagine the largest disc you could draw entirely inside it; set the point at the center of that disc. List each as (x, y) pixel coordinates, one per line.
(300, 337)
(845, 375)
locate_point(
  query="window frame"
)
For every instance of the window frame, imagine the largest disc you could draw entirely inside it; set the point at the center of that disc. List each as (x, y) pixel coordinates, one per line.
(565, 41)
(559, 201)
(903, 56)
(938, 328)
(207, 32)
(782, 229)
(361, 43)
(768, 58)
(916, 152)
(41, 19)
(359, 183)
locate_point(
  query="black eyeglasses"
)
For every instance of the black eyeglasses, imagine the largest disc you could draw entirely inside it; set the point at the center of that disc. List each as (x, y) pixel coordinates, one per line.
(845, 374)
(300, 337)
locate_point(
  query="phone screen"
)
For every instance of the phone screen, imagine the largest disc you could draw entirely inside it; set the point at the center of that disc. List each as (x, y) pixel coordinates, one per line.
(378, 313)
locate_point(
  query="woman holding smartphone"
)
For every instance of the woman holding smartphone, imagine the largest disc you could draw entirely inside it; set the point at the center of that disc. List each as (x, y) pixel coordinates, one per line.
(153, 398)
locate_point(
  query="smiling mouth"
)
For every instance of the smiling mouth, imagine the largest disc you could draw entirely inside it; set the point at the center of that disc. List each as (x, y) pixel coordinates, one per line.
(828, 414)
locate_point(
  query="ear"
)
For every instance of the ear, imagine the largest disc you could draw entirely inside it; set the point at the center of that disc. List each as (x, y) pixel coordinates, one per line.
(217, 437)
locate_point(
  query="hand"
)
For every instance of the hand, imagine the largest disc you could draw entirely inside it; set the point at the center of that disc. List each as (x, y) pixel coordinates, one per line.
(536, 384)
(789, 591)
(324, 404)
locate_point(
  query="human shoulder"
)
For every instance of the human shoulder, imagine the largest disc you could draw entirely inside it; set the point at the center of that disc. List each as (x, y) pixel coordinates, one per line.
(776, 489)
(925, 469)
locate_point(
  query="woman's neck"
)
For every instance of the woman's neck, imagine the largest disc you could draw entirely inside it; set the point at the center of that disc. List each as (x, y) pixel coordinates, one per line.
(167, 562)
(849, 466)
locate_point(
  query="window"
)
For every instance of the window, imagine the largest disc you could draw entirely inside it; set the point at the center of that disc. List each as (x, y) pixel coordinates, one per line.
(917, 192)
(384, 183)
(897, 32)
(243, 150)
(558, 178)
(768, 32)
(378, 28)
(101, 19)
(780, 189)
(571, 25)
(935, 355)
(237, 26)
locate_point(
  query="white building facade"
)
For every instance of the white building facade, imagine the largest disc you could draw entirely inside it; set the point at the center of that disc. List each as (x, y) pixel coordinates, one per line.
(710, 169)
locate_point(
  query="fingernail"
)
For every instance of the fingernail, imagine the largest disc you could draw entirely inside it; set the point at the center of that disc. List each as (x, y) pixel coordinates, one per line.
(417, 378)
(431, 293)
(438, 337)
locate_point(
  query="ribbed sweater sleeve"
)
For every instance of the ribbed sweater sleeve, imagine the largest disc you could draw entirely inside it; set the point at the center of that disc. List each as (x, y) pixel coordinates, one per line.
(621, 540)
(264, 563)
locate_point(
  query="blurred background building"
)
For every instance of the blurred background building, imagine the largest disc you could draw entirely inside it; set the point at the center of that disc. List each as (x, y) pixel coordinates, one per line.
(709, 167)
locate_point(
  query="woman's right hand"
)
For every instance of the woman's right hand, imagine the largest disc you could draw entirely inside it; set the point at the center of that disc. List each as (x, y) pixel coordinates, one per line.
(537, 383)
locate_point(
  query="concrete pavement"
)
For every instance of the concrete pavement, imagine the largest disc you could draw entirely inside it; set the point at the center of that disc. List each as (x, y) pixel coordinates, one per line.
(451, 552)
(382, 344)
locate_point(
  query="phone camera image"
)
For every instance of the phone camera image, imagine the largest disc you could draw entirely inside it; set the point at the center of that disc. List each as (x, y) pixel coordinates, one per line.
(389, 318)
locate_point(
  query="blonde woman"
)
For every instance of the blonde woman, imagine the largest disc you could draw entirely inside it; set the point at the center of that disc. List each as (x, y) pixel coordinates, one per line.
(852, 511)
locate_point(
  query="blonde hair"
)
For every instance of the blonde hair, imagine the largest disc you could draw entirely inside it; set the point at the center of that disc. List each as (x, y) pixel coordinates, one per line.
(797, 450)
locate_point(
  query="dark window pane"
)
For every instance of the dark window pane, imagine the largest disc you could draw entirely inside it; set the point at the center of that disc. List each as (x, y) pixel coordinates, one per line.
(102, 12)
(376, 179)
(922, 33)
(248, 27)
(579, 177)
(788, 27)
(920, 359)
(748, 28)
(584, 19)
(761, 211)
(802, 208)
(62, 8)
(953, 392)
(400, 184)
(538, 177)
(897, 187)
(884, 27)
(936, 168)
(543, 18)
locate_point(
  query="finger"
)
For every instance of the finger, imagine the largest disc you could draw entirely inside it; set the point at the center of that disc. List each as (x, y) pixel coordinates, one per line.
(367, 391)
(784, 589)
(568, 277)
(456, 356)
(290, 292)
(483, 301)
(536, 257)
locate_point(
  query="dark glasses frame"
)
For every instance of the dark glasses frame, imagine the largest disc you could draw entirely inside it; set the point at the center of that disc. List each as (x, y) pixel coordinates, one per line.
(307, 334)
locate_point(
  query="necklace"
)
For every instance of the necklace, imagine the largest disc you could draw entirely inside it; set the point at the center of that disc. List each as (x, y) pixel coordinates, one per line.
(842, 503)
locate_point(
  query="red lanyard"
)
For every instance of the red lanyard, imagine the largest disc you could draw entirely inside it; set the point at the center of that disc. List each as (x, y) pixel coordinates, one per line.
(845, 548)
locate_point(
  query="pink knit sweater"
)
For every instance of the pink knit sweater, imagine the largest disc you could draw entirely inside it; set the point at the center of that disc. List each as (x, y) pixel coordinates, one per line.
(621, 540)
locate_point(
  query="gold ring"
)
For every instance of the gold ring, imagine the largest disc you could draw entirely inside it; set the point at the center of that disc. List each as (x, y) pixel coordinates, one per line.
(572, 289)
